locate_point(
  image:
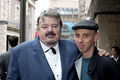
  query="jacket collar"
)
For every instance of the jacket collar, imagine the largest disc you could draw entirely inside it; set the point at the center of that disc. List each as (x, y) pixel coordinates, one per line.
(93, 61)
(41, 59)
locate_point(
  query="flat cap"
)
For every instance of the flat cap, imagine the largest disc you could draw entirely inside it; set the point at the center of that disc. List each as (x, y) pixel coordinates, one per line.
(86, 24)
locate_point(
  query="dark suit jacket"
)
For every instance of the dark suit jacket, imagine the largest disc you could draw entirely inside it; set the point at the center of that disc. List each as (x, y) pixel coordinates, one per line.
(118, 63)
(4, 61)
(28, 61)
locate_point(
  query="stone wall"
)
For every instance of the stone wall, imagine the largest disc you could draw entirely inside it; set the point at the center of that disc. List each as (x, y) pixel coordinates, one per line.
(3, 30)
(63, 3)
(81, 14)
(109, 30)
(3, 10)
(10, 20)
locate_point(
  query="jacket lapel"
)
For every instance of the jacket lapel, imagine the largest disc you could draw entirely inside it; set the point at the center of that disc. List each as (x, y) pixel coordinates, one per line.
(41, 59)
(62, 49)
(118, 60)
(93, 61)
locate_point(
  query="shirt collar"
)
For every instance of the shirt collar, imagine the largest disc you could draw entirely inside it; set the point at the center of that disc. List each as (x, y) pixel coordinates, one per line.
(116, 59)
(45, 48)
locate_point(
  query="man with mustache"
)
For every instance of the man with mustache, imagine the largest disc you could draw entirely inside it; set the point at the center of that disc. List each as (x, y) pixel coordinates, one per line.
(47, 57)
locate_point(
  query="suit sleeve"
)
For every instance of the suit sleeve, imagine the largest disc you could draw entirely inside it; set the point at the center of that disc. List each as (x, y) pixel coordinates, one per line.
(3, 70)
(13, 71)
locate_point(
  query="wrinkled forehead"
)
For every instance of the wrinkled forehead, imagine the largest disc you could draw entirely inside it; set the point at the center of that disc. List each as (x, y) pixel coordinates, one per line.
(113, 49)
(42, 19)
(49, 20)
(84, 31)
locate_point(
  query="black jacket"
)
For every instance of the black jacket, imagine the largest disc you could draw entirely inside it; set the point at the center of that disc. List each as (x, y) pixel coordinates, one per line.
(118, 62)
(102, 68)
(4, 61)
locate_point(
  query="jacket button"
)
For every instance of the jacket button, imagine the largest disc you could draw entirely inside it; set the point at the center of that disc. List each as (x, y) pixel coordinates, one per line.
(89, 72)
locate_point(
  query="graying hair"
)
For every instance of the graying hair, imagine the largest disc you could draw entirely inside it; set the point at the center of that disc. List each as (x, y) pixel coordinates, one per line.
(50, 13)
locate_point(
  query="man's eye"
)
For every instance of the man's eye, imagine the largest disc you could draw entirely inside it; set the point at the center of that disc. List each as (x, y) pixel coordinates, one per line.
(86, 35)
(55, 26)
(44, 26)
(76, 35)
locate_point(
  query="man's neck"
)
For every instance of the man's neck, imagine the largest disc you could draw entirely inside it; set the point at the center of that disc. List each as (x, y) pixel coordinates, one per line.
(116, 56)
(89, 53)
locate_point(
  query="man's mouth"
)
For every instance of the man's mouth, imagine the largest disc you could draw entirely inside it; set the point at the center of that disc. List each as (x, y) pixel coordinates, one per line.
(81, 46)
(50, 36)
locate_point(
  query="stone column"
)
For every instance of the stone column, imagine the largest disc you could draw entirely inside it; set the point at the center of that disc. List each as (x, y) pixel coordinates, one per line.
(109, 30)
(3, 30)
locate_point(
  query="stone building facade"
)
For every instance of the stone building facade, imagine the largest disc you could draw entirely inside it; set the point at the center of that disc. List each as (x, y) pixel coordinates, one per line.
(68, 10)
(30, 19)
(10, 21)
(107, 15)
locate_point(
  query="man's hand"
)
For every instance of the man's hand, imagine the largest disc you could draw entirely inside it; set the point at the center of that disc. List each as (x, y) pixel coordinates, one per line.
(103, 52)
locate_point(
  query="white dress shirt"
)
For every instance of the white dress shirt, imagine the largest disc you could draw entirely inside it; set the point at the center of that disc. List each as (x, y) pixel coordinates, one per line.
(116, 59)
(78, 66)
(53, 60)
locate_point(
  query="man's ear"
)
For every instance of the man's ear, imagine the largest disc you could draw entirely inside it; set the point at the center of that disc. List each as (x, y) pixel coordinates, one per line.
(96, 37)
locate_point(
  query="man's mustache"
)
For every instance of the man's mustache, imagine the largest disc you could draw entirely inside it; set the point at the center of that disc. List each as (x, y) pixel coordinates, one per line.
(50, 33)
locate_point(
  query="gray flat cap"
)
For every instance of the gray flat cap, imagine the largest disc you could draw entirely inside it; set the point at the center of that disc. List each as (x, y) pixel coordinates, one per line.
(86, 24)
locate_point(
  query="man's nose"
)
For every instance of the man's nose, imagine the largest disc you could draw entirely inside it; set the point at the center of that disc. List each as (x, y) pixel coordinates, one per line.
(80, 39)
(50, 28)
